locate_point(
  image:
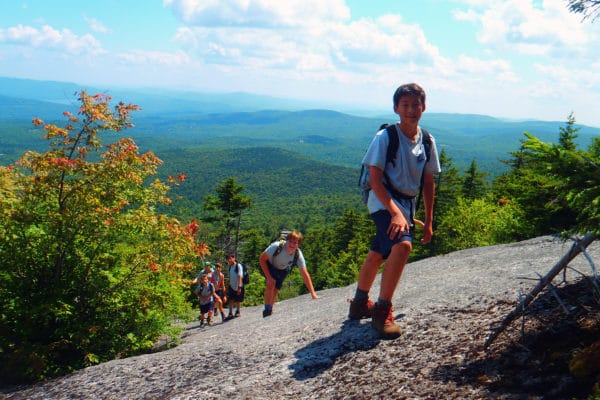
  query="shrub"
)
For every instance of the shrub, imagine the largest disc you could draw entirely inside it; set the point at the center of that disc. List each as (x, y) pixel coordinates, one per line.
(88, 270)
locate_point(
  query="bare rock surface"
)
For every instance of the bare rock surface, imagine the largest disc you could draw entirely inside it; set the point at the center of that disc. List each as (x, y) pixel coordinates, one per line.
(309, 350)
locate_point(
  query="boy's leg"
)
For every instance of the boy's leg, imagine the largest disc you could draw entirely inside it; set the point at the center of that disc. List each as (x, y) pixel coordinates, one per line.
(273, 297)
(361, 306)
(368, 271)
(392, 271)
(230, 315)
(268, 294)
(383, 317)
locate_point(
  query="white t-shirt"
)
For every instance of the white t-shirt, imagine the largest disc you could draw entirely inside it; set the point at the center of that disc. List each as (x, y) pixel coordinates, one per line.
(410, 158)
(235, 271)
(283, 260)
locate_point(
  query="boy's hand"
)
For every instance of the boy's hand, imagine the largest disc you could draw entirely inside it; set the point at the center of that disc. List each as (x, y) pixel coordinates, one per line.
(427, 235)
(398, 225)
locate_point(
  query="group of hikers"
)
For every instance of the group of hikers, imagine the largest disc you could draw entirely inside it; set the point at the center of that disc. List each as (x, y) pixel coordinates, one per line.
(276, 263)
(401, 162)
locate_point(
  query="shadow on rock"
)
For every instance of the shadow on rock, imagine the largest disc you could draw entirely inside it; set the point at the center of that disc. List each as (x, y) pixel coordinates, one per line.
(320, 355)
(535, 362)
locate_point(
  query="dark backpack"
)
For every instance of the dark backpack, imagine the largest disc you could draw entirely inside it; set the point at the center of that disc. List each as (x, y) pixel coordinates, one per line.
(245, 274)
(390, 156)
(280, 248)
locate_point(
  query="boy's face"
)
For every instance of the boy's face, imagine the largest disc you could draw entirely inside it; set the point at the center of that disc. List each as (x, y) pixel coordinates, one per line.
(204, 279)
(292, 244)
(409, 108)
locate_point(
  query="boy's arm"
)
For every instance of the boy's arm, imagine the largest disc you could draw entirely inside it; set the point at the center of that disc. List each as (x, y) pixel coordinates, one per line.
(428, 200)
(264, 258)
(398, 223)
(308, 282)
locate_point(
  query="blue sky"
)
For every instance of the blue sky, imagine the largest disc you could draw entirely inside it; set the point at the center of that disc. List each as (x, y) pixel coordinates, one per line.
(509, 58)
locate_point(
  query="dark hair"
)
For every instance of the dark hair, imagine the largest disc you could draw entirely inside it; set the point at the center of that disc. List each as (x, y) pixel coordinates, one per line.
(409, 89)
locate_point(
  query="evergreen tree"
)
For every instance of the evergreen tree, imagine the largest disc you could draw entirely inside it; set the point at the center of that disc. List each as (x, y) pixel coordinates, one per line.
(448, 189)
(538, 187)
(227, 208)
(568, 134)
(473, 185)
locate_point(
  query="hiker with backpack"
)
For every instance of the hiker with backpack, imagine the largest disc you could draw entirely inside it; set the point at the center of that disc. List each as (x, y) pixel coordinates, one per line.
(395, 180)
(206, 295)
(235, 290)
(218, 279)
(276, 262)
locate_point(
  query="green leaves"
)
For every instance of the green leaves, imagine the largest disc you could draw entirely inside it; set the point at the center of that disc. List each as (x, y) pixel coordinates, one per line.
(90, 270)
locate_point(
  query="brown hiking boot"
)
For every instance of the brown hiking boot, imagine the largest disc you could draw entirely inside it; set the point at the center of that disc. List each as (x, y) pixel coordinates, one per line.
(360, 310)
(383, 322)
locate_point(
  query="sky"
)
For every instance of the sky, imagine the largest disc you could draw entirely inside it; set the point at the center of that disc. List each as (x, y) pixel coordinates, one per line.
(516, 59)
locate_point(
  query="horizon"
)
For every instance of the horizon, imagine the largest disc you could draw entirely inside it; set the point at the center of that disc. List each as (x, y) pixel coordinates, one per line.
(512, 60)
(353, 110)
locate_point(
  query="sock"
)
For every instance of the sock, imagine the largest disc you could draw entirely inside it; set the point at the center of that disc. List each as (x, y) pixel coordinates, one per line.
(361, 296)
(268, 307)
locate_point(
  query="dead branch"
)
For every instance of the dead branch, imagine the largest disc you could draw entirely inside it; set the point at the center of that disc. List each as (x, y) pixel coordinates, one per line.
(578, 246)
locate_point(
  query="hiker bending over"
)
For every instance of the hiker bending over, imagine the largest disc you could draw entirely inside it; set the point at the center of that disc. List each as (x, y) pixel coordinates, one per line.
(276, 262)
(391, 203)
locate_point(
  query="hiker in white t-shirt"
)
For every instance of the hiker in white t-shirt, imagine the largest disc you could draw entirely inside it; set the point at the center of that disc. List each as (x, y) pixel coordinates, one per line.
(276, 262)
(235, 290)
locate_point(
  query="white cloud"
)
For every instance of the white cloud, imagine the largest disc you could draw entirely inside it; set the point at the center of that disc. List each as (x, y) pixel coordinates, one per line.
(51, 39)
(96, 25)
(155, 57)
(530, 27)
(258, 13)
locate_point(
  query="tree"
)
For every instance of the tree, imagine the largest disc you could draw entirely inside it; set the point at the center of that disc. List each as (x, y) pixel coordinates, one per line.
(473, 186)
(568, 134)
(577, 177)
(448, 188)
(481, 223)
(88, 270)
(227, 208)
(589, 8)
(556, 185)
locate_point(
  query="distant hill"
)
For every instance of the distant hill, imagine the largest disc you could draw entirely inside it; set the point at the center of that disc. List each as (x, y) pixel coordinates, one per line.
(181, 120)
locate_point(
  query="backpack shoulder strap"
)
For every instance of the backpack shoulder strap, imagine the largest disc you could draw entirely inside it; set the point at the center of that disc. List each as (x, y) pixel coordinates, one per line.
(426, 143)
(394, 141)
(279, 248)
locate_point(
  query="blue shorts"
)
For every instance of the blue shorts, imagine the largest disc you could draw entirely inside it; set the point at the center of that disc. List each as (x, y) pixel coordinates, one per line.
(382, 243)
(204, 308)
(278, 274)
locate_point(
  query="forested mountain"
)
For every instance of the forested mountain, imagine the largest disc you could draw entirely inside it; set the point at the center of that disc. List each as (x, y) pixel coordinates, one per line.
(286, 189)
(175, 120)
